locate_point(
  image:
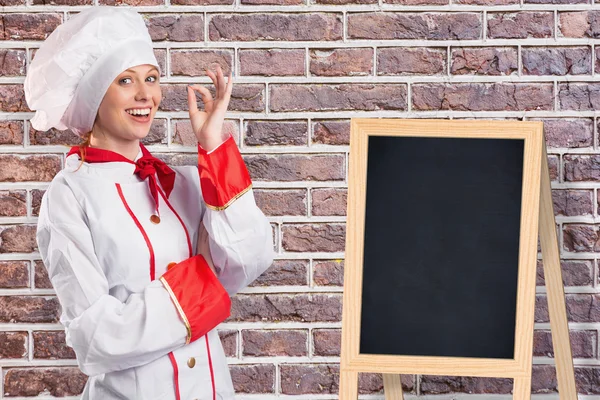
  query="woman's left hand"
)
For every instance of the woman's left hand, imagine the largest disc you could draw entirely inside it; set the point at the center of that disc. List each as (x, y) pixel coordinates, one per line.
(208, 124)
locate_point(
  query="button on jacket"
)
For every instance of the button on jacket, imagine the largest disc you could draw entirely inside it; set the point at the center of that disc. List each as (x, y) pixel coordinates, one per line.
(139, 306)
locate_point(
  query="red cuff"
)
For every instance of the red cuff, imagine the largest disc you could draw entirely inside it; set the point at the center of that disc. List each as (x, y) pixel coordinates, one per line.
(200, 299)
(223, 175)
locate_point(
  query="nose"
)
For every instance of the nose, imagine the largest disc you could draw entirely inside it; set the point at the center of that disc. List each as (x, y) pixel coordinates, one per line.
(142, 93)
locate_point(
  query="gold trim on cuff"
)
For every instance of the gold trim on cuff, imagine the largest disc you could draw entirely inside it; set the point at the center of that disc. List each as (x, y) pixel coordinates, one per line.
(234, 198)
(179, 309)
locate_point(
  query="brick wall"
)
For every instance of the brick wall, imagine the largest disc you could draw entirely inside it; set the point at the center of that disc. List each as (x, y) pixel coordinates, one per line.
(303, 69)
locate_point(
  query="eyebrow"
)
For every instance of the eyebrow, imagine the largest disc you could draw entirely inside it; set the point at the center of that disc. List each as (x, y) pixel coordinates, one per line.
(153, 68)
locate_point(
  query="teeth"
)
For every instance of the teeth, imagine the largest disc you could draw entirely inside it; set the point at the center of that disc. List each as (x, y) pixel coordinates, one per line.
(138, 111)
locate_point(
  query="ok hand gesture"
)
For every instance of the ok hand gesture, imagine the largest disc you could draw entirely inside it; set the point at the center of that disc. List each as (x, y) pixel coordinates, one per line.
(208, 124)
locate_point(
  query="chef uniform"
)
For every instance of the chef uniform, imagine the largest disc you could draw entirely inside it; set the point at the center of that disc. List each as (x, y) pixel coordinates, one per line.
(118, 237)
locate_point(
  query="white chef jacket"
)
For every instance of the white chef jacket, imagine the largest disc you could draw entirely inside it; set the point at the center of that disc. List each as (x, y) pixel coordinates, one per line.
(97, 242)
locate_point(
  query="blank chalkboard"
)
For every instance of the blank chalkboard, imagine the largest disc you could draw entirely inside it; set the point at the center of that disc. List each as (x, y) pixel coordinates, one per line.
(441, 253)
(441, 246)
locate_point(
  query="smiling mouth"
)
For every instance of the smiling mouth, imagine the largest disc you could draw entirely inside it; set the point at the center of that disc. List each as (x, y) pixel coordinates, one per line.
(139, 118)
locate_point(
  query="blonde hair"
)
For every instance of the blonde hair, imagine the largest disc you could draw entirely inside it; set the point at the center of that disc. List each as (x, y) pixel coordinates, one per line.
(83, 147)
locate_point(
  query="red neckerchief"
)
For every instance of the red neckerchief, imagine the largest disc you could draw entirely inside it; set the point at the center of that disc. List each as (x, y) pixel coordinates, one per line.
(147, 166)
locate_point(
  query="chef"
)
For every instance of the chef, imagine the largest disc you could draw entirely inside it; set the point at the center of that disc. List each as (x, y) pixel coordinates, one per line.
(143, 256)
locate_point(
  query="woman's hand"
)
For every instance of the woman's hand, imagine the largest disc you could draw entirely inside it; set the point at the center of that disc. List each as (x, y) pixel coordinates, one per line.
(208, 124)
(202, 247)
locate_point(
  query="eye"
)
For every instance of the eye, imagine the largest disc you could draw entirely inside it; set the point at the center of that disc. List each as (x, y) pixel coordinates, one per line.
(154, 77)
(121, 81)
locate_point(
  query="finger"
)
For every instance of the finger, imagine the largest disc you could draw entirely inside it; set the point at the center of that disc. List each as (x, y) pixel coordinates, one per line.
(229, 88)
(221, 82)
(192, 101)
(213, 77)
(206, 96)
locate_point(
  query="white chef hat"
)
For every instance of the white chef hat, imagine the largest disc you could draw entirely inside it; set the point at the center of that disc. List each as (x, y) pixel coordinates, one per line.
(76, 64)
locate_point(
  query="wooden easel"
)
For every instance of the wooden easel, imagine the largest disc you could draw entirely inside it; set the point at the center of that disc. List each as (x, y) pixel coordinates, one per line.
(556, 305)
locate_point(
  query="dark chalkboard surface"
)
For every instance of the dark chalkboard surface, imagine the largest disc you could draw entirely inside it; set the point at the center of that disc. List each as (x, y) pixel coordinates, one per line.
(441, 248)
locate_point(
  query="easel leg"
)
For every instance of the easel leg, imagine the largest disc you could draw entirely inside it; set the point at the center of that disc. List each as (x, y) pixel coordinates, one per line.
(522, 388)
(392, 387)
(348, 385)
(565, 373)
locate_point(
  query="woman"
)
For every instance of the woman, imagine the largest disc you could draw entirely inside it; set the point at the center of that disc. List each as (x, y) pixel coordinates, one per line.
(143, 257)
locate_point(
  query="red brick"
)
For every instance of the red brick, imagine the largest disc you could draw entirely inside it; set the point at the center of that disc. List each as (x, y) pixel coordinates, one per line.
(30, 382)
(572, 202)
(272, 62)
(12, 62)
(484, 61)
(482, 96)
(327, 342)
(313, 237)
(568, 132)
(276, 133)
(341, 62)
(329, 201)
(553, 162)
(331, 132)
(407, 25)
(229, 341)
(520, 25)
(557, 60)
(579, 24)
(176, 28)
(244, 97)
(431, 384)
(543, 379)
(487, 2)
(296, 167)
(583, 344)
(411, 61)
(574, 272)
(275, 26)
(579, 96)
(276, 307)
(62, 2)
(332, 97)
(35, 26)
(253, 378)
(329, 273)
(309, 379)
(14, 274)
(132, 2)
(268, 343)
(276, 202)
(11, 132)
(588, 380)
(22, 168)
(29, 309)
(54, 137)
(195, 62)
(580, 238)
(13, 203)
(157, 133)
(13, 345)
(273, 2)
(36, 201)
(284, 273)
(12, 98)
(51, 345)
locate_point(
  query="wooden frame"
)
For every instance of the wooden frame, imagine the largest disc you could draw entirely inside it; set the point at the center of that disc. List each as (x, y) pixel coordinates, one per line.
(535, 176)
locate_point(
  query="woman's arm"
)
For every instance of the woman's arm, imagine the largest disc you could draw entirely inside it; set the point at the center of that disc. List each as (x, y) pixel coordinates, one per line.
(237, 235)
(105, 333)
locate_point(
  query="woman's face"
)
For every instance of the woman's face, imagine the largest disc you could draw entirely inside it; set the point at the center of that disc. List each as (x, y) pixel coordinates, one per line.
(129, 105)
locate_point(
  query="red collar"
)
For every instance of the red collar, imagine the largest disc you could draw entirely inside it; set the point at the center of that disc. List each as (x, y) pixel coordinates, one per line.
(147, 166)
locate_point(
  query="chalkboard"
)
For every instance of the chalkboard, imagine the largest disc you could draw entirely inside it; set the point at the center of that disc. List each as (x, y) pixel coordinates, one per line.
(441, 253)
(441, 247)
